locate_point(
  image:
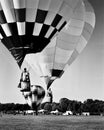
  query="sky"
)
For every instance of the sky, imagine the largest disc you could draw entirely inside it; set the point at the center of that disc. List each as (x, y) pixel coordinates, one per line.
(83, 79)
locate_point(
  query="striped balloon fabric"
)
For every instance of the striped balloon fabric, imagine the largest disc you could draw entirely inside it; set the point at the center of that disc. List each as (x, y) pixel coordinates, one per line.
(35, 96)
(27, 26)
(64, 49)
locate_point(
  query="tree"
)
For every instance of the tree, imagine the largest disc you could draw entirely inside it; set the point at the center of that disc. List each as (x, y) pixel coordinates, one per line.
(63, 104)
(42, 105)
(95, 107)
(48, 107)
(55, 106)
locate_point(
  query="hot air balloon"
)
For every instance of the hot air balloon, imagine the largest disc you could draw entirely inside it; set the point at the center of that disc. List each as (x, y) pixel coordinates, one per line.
(34, 97)
(59, 54)
(27, 26)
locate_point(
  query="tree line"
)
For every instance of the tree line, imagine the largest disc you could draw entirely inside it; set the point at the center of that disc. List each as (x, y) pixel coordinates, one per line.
(94, 107)
(13, 108)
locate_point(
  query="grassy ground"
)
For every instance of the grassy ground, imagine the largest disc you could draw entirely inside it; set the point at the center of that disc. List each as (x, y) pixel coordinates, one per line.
(48, 122)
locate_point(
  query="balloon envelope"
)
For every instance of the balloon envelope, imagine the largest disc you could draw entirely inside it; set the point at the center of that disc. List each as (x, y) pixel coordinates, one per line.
(35, 96)
(27, 26)
(64, 48)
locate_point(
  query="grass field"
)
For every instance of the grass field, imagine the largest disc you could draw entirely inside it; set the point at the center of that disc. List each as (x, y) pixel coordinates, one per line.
(48, 122)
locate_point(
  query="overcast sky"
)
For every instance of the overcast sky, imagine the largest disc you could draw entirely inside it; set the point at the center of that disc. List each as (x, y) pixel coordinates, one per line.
(84, 78)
